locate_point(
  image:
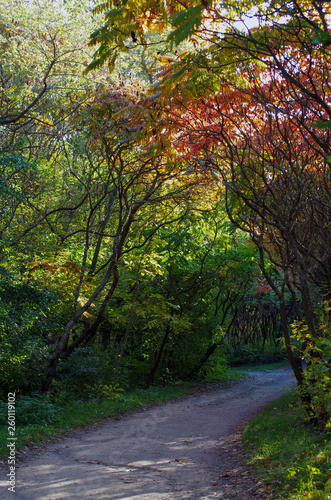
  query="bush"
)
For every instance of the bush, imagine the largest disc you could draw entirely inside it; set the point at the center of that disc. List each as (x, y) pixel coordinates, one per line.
(29, 410)
(27, 324)
(88, 369)
(317, 377)
(23, 364)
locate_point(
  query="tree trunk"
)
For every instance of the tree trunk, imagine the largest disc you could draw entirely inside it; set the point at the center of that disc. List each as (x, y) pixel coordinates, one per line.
(91, 330)
(150, 377)
(102, 229)
(128, 329)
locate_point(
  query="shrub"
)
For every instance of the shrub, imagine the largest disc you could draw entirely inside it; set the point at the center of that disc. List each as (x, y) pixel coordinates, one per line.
(35, 409)
(317, 377)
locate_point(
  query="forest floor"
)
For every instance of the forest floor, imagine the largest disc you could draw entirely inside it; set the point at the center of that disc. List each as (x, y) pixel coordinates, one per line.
(188, 449)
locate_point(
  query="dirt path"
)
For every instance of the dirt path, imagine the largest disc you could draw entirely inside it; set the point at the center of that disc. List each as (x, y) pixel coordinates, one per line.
(176, 451)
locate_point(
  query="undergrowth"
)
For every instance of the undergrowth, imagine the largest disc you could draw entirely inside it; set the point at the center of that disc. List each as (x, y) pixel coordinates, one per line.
(292, 458)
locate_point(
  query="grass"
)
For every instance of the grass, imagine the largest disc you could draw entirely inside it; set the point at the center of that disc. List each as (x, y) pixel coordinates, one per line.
(291, 458)
(220, 373)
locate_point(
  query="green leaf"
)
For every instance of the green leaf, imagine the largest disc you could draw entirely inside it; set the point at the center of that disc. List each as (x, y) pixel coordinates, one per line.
(321, 37)
(322, 125)
(186, 23)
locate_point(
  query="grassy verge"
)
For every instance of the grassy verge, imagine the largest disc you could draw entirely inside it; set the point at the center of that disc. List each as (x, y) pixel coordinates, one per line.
(291, 458)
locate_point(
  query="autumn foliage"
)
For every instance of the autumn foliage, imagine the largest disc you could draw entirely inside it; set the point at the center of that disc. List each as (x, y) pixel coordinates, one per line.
(207, 133)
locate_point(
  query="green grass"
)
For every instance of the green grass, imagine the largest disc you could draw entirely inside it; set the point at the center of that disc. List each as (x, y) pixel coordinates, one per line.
(38, 419)
(291, 458)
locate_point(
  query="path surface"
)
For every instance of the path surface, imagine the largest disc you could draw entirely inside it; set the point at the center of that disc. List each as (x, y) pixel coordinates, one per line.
(176, 451)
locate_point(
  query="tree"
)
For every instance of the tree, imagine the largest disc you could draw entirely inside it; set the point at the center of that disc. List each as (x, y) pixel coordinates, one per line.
(42, 56)
(202, 282)
(248, 102)
(121, 188)
(182, 299)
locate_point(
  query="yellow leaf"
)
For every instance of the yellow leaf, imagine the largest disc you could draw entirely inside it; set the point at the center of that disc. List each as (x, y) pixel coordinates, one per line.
(87, 315)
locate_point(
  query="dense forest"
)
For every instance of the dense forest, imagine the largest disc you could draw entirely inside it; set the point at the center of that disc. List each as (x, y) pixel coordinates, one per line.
(164, 193)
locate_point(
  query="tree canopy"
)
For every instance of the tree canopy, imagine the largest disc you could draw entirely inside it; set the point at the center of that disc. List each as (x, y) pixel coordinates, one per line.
(165, 188)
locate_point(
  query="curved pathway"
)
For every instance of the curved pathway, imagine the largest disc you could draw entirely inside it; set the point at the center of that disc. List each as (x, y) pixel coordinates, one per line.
(175, 451)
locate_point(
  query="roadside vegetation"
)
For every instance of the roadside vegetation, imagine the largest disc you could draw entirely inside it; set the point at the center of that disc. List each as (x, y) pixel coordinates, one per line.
(291, 457)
